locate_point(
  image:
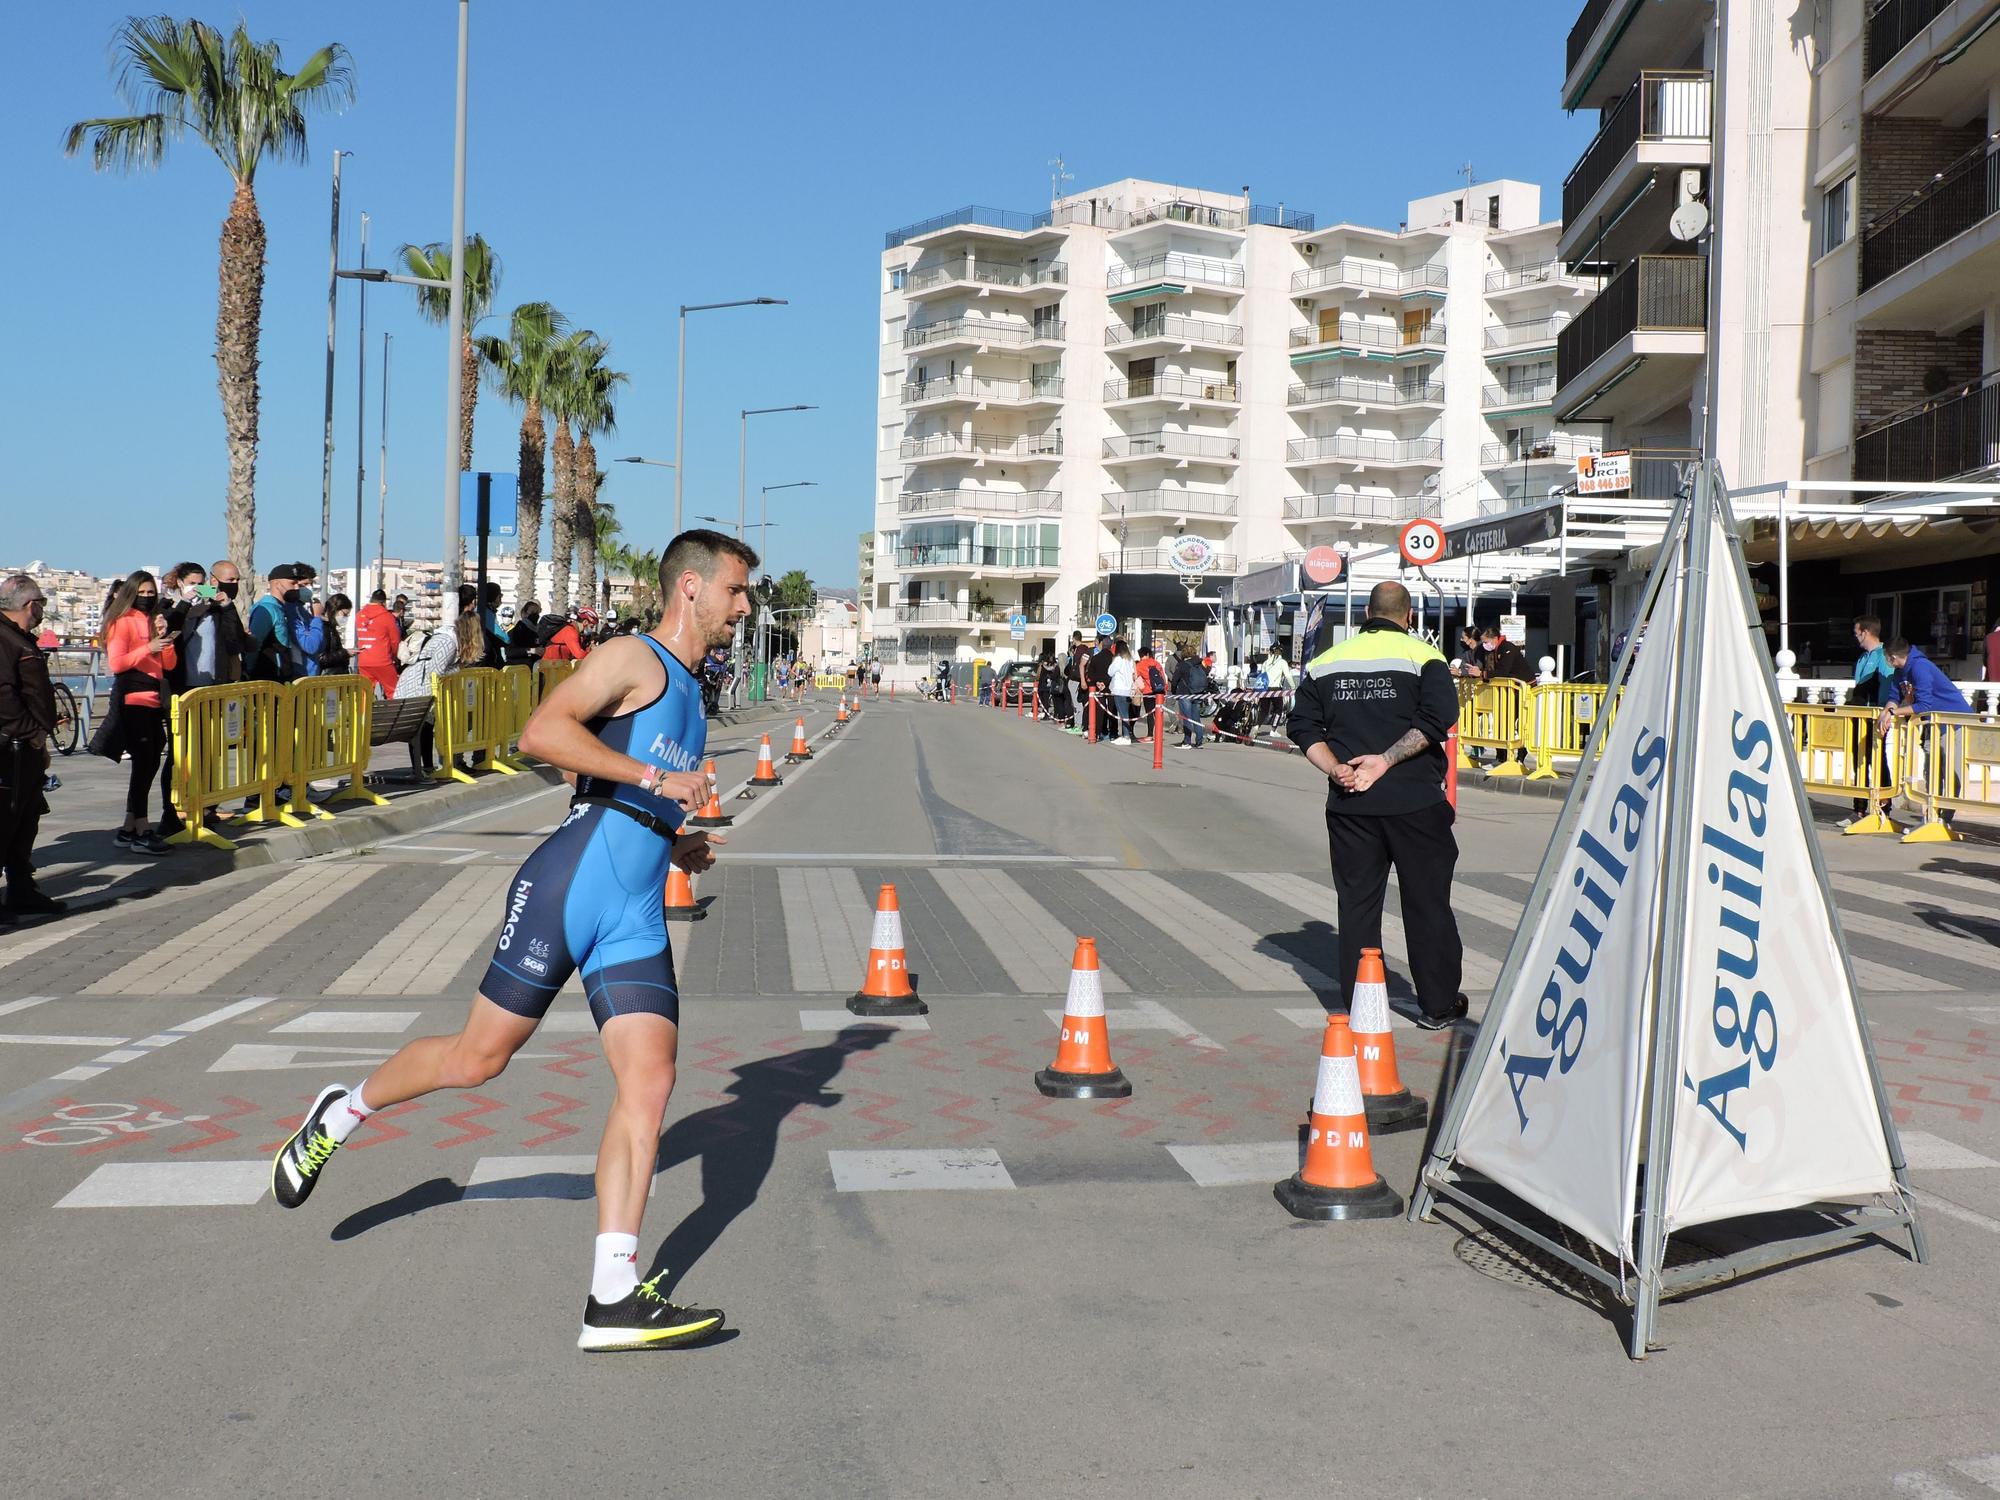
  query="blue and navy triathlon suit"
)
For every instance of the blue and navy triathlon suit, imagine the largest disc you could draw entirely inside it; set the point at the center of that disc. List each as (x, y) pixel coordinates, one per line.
(590, 898)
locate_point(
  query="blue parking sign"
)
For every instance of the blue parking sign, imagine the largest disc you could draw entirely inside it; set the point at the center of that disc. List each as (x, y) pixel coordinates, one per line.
(1107, 624)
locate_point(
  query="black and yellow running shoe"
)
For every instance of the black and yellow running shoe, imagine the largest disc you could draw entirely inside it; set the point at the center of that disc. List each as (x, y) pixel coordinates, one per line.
(297, 1165)
(645, 1320)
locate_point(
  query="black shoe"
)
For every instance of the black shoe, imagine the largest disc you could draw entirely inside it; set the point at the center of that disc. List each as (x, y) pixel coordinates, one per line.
(150, 842)
(32, 903)
(125, 838)
(297, 1165)
(1439, 1023)
(645, 1320)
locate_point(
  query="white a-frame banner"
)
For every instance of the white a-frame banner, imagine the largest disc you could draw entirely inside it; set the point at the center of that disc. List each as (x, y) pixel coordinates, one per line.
(1675, 1036)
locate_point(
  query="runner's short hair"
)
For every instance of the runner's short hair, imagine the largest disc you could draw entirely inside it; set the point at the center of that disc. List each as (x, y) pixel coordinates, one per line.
(701, 550)
(1870, 623)
(1899, 647)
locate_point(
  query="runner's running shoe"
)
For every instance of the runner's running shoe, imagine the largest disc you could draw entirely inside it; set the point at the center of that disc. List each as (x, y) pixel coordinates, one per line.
(645, 1320)
(297, 1165)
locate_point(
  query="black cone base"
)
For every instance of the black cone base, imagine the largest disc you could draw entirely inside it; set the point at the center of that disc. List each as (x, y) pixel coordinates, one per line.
(684, 914)
(773, 781)
(725, 821)
(1112, 1085)
(1401, 1110)
(870, 1005)
(796, 756)
(1304, 1201)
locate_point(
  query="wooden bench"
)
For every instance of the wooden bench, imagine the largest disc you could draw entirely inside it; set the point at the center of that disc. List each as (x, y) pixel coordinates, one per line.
(401, 721)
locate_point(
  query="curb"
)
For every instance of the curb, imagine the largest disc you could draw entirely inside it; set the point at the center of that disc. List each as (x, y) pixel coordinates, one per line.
(1515, 786)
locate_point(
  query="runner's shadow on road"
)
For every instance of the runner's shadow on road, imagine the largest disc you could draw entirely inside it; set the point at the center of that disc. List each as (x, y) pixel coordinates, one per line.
(737, 1141)
(1952, 924)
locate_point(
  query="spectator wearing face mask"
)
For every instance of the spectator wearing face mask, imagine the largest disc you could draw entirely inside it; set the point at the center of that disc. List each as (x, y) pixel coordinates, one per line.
(213, 641)
(334, 659)
(305, 616)
(138, 654)
(269, 658)
(27, 721)
(184, 588)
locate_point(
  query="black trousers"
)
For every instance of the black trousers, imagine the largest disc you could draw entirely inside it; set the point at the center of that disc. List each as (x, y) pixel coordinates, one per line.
(145, 743)
(19, 818)
(1422, 850)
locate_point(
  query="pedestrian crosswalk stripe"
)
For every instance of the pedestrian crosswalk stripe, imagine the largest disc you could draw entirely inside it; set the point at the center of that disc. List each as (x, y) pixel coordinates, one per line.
(30, 943)
(1149, 1015)
(193, 961)
(17, 1039)
(1237, 1163)
(1922, 1486)
(1017, 927)
(1309, 897)
(917, 1170)
(828, 917)
(26, 1002)
(1929, 1153)
(347, 1022)
(1914, 892)
(1872, 974)
(171, 1184)
(425, 951)
(1227, 946)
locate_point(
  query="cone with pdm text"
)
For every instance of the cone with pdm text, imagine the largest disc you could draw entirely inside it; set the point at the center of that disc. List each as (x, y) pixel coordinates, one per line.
(840, 714)
(800, 749)
(711, 814)
(885, 987)
(1083, 1067)
(1391, 1106)
(1338, 1180)
(767, 773)
(680, 905)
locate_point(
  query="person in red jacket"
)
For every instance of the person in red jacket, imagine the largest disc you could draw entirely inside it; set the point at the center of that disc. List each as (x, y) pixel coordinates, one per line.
(376, 638)
(567, 643)
(138, 654)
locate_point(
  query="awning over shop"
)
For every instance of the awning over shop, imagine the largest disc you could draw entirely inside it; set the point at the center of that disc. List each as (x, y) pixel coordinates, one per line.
(1871, 545)
(1508, 532)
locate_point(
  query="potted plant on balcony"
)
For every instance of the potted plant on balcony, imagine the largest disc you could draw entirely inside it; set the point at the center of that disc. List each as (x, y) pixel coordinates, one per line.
(981, 603)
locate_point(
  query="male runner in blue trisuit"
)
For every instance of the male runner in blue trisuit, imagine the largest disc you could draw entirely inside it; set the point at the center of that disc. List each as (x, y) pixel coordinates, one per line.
(628, 728)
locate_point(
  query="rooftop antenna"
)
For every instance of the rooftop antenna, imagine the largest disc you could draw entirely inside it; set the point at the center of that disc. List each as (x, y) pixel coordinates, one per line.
(1059, 173)
(1465, 171)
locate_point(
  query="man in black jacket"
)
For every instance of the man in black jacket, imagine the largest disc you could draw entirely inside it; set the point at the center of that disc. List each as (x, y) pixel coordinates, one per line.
(1097, 690)
(1371, 714)
(27, 722)
(1191, 688)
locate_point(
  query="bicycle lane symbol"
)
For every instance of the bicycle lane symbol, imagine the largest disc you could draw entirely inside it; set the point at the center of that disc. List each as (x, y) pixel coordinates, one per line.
(101, 1126)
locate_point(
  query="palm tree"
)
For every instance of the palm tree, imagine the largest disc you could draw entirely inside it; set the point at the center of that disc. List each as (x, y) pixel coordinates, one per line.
(482, 285)
(611, 549)
(596, 412)
(520, 367)
(235, 96)
(565, 396)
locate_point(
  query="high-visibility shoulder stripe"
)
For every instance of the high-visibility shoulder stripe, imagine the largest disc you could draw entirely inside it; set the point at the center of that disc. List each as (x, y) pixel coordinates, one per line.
(1373, 646)
(1357, 665)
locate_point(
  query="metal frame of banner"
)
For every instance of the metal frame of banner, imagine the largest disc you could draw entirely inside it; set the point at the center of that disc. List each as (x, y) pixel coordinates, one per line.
(1685, 549)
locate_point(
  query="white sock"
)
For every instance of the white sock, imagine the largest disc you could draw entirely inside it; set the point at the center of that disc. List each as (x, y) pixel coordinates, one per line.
(617, 1269)
(345, 1114)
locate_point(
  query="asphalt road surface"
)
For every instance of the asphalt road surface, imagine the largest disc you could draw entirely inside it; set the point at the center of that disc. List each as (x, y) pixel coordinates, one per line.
(939, 1282)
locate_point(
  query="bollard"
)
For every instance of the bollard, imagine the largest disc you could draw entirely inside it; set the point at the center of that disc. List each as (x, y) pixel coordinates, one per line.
(1451, 768)
(1035, 705)
(1020, 701)
(1093, 717)
(1159, 734)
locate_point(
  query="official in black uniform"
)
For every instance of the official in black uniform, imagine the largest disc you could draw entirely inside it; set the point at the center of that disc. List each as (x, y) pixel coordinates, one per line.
(1372, 713)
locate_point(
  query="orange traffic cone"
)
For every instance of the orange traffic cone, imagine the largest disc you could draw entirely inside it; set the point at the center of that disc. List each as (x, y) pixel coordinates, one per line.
(711, 814)
(800, 749)
(1390, 1105)
(767, 773)
(840, 714)
(885, 988)
(1083, 1068)
(680, 898)
(1339, 1180)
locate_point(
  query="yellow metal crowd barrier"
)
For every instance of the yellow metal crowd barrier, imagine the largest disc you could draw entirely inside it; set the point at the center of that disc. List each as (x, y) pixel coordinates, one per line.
(1492, 716)
(547, 675)
(828, 680)
(231, 742)
(1559, 719)
(1841, 752)
(475, 720)
(332, 719)
(1951, 764)
(517, 692)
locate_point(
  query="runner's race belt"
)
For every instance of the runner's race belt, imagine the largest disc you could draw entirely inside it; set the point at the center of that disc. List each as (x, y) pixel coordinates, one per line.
(638, 815)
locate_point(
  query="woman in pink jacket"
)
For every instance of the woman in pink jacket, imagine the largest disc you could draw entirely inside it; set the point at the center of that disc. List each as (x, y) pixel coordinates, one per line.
(138, 654)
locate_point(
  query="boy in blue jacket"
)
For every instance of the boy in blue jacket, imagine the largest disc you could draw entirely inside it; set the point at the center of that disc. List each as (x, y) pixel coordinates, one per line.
(1921, 688)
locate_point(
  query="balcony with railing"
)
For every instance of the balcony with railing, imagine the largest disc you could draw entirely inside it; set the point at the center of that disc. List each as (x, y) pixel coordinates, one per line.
(932, 612)
(1558, 448)
(1960, 198)
(1214, 448)
(1546, 275)
(969, 331)
(1663, 119)
(1180, 211)
(973, 216)
(1516, 394)
(1411, 337)
(1351, 273)
(1204, 270)
(1352, 390)
(982, 389)
(943, 503)
(1613, 39)
(967, 555)
(1168, 502)
(1530, 333)
(1157, 560)
(1302, 510)
(1355, 448)
(1949, 437)
(988, 274)
(1174, 328)
(1892, 25)
(1665, 295)
(1028, 446)
(1173, 388)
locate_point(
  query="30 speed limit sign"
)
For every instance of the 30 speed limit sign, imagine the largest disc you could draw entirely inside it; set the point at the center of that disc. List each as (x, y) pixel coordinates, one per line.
(1422, 543)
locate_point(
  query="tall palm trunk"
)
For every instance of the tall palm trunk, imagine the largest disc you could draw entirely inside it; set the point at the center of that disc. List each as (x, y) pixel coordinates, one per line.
(562, 525)
(584, 483)
(468, 397)
(529, 528)
(238, 323)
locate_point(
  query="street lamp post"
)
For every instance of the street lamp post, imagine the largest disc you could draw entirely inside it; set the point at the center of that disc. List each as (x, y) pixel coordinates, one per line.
(660, 463)
(382, 482)
(360, 432)
(763, 551)
(455, 322)
(326, 453)
(743, 450)
(680, 381)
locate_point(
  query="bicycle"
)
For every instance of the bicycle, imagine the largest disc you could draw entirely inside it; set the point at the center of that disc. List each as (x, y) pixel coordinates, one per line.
(69, 722)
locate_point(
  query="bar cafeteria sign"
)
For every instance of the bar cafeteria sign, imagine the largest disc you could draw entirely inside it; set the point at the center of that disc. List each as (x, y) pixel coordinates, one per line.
(1604, 473)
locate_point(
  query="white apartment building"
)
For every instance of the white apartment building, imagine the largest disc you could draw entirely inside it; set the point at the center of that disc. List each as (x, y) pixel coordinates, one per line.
(1846, 310)
(1118, 404)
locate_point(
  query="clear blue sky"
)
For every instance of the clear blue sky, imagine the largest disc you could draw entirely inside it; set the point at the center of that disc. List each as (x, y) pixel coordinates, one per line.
(626, 157)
